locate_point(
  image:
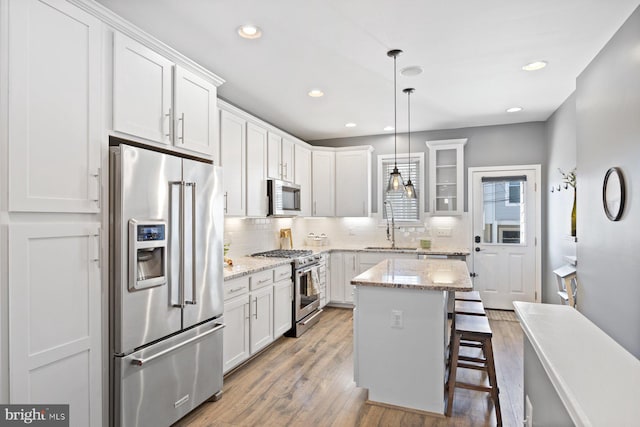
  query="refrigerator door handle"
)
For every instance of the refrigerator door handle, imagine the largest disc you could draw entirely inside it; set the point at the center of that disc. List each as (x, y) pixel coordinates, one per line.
(194, 254)
(143, 361)
(181, 296)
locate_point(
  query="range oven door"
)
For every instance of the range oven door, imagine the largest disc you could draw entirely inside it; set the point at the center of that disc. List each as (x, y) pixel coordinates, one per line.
(307, 292)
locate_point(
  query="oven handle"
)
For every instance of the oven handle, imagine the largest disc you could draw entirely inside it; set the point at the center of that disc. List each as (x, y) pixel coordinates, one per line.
(312, 317)
(307, 269)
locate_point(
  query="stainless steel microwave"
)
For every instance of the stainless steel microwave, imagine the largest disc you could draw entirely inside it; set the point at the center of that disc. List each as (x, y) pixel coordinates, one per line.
(284, 198)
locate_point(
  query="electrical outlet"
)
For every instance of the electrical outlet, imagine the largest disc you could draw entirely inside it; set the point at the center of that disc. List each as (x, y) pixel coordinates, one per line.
(443, 232)
(397, 320)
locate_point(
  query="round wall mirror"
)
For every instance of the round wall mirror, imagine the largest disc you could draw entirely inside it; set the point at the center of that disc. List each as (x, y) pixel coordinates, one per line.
(613, 194)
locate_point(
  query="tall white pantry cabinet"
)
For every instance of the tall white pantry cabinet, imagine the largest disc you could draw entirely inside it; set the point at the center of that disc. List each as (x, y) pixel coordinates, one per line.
(50, 204)
(58, 106)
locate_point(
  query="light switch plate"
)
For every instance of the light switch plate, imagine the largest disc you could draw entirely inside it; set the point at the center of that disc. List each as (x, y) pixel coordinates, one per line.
(443, 232)
(397, 320)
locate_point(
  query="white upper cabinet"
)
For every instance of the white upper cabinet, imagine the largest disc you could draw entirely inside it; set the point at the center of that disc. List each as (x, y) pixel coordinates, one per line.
(142, 97)
(302, 177)
(323, 182)
(54, 135)
(233, 157)
(446, 176)
(256, 170)
(155, 99)
(353, 182)
(195, 113)
(280, 158)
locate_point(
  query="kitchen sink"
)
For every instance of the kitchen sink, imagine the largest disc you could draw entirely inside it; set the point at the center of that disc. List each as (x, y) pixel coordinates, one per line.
(388, 248)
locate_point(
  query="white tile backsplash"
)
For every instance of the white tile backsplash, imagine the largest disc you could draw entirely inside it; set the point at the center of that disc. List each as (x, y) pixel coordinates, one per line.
(249, 235)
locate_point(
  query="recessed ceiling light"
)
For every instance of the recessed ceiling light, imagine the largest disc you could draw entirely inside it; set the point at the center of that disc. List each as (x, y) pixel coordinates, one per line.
(514, 109)
(411, 71)
(315, 93)
(388, 128)
(535, 66)
(249, 31)
(350, 125)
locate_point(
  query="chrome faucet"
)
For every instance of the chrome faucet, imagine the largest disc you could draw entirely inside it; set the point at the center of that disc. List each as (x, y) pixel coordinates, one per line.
(391, 236)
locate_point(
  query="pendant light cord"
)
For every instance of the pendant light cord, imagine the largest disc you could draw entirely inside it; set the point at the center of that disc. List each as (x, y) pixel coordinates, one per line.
(395, 117)
(409, 130)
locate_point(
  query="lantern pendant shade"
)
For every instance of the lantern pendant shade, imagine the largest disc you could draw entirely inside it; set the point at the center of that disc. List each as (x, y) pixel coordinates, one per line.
(409, 189)
(396, 183)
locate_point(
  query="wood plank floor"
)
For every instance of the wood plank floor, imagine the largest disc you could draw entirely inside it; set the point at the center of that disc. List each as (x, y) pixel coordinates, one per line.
(308, 381)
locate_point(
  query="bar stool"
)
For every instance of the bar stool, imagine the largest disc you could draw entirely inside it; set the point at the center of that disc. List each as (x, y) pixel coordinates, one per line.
(468, 296)
(472, 308)
(477, 329)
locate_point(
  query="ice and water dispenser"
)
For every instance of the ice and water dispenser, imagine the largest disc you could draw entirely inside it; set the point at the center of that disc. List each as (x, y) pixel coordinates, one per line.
(147, 254)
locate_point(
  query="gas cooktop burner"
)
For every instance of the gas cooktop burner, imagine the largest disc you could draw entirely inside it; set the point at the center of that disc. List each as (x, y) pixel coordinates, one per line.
(284, 253)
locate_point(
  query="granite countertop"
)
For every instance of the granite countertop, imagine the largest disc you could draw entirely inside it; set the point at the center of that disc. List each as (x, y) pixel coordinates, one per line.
(431, 275)
(594, 376)
(248, 265)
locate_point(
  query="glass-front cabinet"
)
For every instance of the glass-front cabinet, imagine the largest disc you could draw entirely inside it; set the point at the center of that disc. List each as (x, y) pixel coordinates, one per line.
(446, 176)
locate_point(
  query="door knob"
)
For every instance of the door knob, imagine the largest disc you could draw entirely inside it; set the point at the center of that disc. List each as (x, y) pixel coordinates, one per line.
(477, 249)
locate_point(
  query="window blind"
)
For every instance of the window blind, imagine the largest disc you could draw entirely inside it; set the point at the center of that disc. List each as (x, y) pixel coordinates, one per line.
(403, 209)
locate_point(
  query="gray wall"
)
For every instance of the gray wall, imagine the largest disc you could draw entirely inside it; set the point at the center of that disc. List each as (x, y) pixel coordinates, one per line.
(561, 137)
(608, 134)
(517, 144)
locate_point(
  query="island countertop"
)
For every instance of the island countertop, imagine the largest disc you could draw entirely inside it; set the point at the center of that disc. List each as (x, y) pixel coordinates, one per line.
(428, 274)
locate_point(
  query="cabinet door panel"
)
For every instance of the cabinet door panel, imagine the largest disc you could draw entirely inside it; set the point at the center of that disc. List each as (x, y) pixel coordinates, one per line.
(195, 113)
(287, 160)
(54, 317)
(353, 167)
(256, 170)
(323, 181)
(282, 307)
(274, 164)
(302, 159)
(236, 333)
(142, 85)
(232, 156)
(261, 318)
(54, 135)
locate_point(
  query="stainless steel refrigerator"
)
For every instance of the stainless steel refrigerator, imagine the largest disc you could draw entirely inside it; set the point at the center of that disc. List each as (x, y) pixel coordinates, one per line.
(166, 300)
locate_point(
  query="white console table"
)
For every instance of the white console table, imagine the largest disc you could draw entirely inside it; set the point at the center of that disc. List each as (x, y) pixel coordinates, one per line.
(574, 373)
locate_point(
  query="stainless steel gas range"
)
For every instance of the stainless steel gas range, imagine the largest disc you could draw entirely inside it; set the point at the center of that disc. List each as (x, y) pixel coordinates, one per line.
(306, 290)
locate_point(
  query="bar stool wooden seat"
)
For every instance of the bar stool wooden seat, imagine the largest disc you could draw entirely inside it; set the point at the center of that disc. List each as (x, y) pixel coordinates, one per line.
(468, 296)
(476, 329)
(472, 308)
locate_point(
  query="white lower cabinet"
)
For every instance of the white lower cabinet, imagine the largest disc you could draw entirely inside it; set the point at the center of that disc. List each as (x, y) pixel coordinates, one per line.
(261, 322)
(257, 310)
(54, 318)
(236, 332)
(282, 307)
(344, 266)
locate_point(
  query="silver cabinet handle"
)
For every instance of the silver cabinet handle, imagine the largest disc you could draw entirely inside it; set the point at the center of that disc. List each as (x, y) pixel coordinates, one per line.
(234, 290)
(170, 119)
(140, 362)
(260, 282)
(98, 177)
(255, 313)
(181, 119)
(245, 308)
(354, 263)
(285, 173)
(226, 198)
(194, 255)
(314, 207)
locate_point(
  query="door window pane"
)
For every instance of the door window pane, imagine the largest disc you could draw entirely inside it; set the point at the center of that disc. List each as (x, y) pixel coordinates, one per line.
(504, 210)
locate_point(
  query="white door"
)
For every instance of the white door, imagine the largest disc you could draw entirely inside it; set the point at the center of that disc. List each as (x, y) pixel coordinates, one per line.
(323, 182)
(261, 318)
(274, 164)
(287, 160)
(505, 210)
(353, 167)
(195, 116)
(282, 307)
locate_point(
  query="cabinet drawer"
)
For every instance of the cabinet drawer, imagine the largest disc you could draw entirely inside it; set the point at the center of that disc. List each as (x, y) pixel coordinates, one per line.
(235, 287)
(261, 279)
(281, 273)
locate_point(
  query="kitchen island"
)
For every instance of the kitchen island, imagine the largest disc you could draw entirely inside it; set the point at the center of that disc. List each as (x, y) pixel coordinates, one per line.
(400, 330)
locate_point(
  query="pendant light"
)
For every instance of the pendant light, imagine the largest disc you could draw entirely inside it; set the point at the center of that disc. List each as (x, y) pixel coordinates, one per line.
(395, 179)
(409, 190)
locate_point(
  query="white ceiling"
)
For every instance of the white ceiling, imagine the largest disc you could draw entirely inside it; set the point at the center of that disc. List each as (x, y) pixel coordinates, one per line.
(471, 51)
